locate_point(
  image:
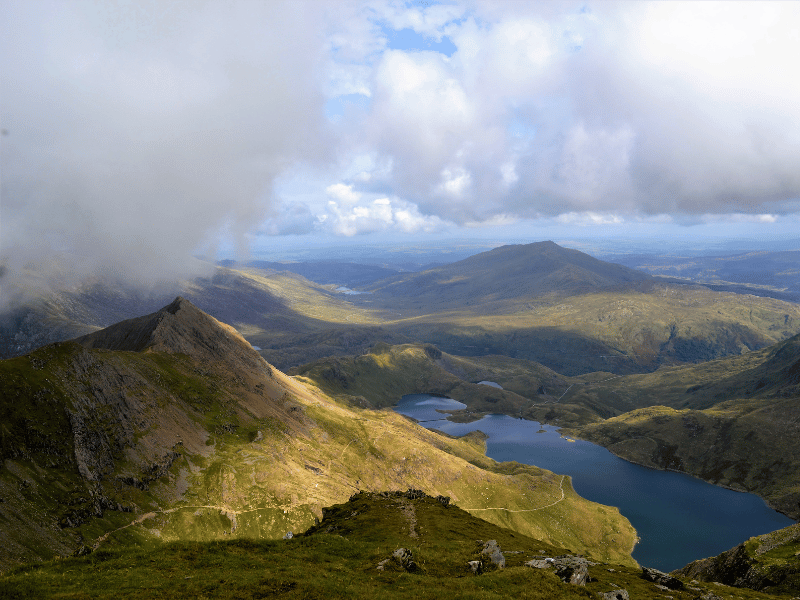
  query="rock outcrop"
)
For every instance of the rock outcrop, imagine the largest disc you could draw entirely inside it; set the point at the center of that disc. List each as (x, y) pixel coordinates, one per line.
(661, 579)
(492, 551)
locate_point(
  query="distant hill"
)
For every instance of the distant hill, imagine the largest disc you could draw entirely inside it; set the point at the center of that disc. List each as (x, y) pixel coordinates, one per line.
(774, 274)
(519, 271)
(537, 302)
(330, 272)
(172, 427)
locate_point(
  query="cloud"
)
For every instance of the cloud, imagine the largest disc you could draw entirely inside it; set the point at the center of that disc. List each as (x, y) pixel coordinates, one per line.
(349, 214)
(290, 218)
(641, 108)
(135, 135)
(140, 134)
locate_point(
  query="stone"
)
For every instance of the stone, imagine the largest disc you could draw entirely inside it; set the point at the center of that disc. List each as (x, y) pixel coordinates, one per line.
(574, 570)
(660, 578)
(289, 535)
(475, 566)
(540, 563)
(615, 595)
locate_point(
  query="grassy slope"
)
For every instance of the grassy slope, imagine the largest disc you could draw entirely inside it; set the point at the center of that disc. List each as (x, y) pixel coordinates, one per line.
(622, 331)
(337, 559)
(105, 447)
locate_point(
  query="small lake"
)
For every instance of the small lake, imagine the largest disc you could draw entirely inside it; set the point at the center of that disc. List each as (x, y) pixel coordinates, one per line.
(678, 518)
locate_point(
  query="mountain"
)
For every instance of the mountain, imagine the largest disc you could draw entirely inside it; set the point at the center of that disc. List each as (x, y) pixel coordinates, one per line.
(776, 274)
(171, 427)
(330, 271)
(379, 378)
(518, 271)
(291, 319)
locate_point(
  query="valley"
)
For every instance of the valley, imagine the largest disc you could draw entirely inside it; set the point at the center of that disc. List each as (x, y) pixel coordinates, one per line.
(182, 428)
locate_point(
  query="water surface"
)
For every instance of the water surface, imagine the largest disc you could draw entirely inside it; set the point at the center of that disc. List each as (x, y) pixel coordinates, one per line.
(678, 518)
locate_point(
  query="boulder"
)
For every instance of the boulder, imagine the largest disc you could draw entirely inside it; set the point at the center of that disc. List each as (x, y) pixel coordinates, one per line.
(405, 559)
(572, 569)
(475, 566)
(568, 568)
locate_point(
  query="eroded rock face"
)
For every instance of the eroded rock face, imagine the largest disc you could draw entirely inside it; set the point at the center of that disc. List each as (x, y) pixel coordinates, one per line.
(730, 567)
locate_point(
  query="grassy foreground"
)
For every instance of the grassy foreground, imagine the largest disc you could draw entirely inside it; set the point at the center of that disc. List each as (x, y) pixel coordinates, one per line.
(339, 559)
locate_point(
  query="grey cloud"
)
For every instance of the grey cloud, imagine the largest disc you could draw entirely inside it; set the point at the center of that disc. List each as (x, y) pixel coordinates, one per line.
(135, 138)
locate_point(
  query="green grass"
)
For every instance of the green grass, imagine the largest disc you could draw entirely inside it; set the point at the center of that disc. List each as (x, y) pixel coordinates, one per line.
(340, 564)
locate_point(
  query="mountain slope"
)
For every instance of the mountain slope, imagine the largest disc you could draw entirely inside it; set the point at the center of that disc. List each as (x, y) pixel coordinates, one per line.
(185, 433)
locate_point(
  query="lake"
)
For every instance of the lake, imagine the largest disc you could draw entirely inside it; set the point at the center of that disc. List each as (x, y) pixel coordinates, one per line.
(678, 518)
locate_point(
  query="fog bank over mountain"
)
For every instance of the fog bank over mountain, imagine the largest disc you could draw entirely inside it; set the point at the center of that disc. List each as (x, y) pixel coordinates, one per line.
(136, 136)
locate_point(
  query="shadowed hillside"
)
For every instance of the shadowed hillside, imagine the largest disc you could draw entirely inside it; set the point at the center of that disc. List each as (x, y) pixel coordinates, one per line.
(733, 421)
(769, 563)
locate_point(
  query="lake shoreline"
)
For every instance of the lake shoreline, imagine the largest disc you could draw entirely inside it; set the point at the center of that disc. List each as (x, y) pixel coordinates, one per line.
(475, 416)
(653, 499)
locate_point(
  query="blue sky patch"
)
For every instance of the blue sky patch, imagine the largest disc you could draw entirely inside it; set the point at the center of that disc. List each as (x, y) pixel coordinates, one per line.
(409, 40)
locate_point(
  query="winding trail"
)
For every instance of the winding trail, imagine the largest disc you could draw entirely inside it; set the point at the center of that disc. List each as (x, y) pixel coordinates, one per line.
(152, 514)
(561, 486)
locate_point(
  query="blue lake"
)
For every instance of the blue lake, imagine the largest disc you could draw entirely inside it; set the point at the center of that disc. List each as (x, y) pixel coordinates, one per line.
(678, 518)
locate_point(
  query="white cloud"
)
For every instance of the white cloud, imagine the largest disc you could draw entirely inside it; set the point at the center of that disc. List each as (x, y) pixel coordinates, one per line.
(584, 219)
(135, 136)
(342, 193)
(379, 214)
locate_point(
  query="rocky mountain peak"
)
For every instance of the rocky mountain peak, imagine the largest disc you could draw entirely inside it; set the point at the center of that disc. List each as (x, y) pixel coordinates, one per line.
(178, 328)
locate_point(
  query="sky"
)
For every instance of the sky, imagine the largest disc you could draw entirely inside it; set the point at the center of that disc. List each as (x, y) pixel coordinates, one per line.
(139, 134)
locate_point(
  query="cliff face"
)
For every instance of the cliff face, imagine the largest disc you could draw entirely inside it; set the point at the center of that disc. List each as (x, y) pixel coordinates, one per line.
(769, 563)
